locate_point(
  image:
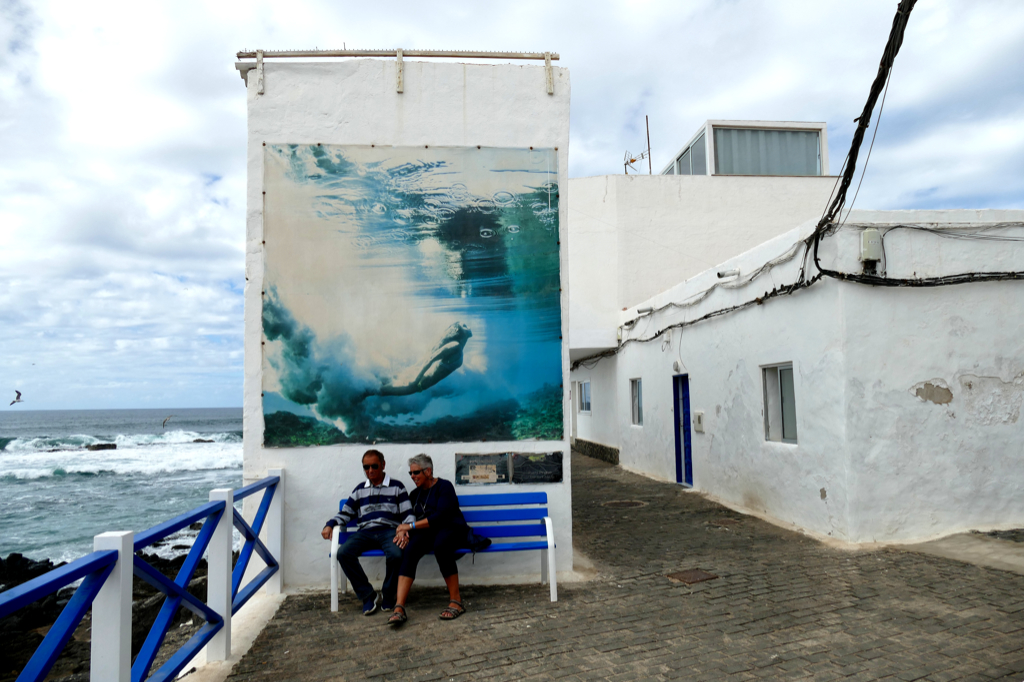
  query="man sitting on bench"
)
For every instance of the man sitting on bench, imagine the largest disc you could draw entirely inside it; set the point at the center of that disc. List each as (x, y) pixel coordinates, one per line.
(378, 505)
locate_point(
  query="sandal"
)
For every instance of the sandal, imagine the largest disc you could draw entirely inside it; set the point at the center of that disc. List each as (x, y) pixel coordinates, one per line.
(450, 613)
(398, 617)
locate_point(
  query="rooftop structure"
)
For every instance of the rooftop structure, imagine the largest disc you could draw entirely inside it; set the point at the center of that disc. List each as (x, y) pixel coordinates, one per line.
(753, 148)
(632, 236)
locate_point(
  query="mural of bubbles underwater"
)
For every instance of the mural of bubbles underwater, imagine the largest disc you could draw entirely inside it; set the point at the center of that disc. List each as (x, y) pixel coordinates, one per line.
(411, 295)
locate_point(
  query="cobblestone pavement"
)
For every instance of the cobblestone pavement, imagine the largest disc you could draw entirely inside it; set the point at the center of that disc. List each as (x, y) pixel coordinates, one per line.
(783, 607)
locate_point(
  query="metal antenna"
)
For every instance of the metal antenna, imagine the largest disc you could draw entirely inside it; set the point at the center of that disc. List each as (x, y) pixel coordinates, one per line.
(647, 122)
(630, 159)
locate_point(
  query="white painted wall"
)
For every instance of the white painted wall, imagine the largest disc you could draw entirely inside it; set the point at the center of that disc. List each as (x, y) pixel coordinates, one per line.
(598, 425)
(722, 358)
(893, 467)
(355, 102)
(921, 469)
(593, 264)
(633, 236)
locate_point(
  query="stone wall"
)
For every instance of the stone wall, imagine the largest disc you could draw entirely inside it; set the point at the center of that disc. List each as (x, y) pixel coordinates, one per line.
(596, 450)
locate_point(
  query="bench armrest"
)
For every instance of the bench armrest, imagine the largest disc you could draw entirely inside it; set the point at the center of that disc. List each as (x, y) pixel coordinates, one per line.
(550, 528)
(335, 569)
(550, 558)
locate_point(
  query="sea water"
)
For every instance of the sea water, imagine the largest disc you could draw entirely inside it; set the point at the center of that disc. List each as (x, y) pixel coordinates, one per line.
(55, 494)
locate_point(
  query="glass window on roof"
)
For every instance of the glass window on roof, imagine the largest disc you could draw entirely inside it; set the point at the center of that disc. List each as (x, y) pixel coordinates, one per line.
(684, 163)
(749, 151)
(699, 157)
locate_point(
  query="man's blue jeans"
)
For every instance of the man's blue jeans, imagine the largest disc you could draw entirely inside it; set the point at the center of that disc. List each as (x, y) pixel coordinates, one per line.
(365, 540)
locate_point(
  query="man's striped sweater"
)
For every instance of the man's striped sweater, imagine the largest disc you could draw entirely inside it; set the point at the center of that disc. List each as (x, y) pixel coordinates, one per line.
(382, 506)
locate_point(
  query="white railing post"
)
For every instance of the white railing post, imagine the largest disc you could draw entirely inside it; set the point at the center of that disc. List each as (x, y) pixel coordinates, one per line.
(218, 575)
(112, 612)
(275, 533)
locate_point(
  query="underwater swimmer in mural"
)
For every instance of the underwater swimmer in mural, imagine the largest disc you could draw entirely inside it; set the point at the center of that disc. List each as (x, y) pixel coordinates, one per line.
(445, 358)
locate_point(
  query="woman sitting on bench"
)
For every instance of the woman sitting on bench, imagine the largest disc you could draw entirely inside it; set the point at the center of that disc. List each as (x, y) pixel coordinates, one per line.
(439, 527)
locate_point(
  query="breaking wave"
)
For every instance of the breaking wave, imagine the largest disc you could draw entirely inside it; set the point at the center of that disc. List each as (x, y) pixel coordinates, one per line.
(147, 454)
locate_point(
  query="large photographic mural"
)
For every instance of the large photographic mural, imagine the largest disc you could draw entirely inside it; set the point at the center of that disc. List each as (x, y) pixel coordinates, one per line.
(411, 295)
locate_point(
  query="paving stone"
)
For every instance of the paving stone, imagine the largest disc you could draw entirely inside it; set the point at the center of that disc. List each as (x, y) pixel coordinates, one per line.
(783, 607)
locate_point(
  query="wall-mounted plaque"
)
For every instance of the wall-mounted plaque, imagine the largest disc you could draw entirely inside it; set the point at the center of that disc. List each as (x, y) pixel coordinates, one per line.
(481, 469)
(544, 467)
(508, 467)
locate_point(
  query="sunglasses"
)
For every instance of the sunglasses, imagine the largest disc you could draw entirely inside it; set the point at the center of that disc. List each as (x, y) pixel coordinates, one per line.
(367, 467)
(417, 472)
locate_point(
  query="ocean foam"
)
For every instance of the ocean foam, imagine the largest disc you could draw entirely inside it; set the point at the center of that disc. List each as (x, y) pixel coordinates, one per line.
(146, 454)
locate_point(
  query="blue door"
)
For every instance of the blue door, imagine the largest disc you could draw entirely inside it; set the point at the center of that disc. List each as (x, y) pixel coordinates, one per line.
(684, 454)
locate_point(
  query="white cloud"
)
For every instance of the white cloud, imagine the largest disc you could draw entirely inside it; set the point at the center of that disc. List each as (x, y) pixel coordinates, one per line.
(122, 126)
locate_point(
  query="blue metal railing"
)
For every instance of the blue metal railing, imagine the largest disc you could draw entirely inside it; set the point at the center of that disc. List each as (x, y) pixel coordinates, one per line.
(177, 594)
(252, 542)
(95, 568)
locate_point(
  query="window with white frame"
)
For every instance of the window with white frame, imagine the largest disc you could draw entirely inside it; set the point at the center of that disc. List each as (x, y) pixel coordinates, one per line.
(637, 401)
(779, 403)
(584, 396)
(755, 151)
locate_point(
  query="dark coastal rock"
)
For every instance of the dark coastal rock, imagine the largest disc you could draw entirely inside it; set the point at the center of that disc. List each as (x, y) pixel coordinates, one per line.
(17, 569)
(202, 440)
(102, 446)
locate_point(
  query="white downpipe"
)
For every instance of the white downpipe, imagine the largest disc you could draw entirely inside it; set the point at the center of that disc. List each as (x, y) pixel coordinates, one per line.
(112, 612)
(275, 533)
(218, 585)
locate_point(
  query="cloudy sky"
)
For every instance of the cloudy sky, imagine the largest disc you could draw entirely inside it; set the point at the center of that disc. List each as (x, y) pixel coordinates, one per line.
(122, 130)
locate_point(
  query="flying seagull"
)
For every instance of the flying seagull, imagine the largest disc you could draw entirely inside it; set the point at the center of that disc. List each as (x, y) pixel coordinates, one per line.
(18, 399)
(164, 425)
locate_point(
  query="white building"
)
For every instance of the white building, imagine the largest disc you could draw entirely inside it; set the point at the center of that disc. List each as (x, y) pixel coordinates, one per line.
(853, 411)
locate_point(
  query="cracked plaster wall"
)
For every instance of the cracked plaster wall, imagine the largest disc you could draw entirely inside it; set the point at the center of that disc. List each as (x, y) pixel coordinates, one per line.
(933, 416)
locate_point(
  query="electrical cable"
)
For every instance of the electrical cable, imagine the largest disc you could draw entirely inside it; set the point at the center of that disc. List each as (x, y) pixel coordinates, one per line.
(892, 48)
(803, 282)
(827, 226)
(867, 159)
(943, 280)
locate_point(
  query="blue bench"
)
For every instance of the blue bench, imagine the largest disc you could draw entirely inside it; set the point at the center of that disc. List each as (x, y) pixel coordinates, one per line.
(515, 522)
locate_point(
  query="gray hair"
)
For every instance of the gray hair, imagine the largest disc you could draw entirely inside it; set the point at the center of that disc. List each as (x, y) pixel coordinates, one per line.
(422, 461)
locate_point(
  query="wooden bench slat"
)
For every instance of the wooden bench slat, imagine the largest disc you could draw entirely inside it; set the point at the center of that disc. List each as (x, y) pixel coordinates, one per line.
(483, 515)
(483, 500)
(517, 530)
(510, 547)
(475, 516)
(512, 530)
(496, 547)
(496, 500)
